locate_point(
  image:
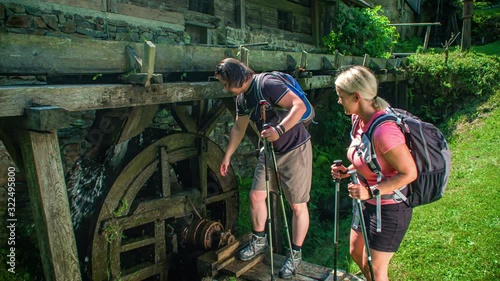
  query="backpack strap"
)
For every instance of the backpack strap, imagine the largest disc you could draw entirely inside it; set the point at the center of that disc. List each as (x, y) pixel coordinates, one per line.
(293, 86)
(374, 165)
(260, 96)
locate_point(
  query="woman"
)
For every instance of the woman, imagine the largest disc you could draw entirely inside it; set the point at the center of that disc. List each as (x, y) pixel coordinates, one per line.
(356, 88)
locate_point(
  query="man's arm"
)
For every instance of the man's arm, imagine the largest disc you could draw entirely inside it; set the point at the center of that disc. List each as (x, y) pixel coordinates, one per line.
(235, 137)
(296, 109)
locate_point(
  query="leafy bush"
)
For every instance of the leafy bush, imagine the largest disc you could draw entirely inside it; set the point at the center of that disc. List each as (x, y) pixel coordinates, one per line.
(485, 23)
(439, 89)
(362, 31)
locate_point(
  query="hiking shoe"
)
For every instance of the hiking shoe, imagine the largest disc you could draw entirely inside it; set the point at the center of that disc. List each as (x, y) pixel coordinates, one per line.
(287, 268)
(256, 246)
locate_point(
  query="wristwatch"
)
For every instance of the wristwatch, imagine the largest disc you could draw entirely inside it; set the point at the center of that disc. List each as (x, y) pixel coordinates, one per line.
(375, 191)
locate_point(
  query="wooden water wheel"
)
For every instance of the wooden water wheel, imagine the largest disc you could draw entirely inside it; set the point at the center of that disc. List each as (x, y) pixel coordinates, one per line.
(145, 225)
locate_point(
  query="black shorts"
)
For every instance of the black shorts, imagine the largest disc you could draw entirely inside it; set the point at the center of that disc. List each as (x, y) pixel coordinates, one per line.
(395, 221)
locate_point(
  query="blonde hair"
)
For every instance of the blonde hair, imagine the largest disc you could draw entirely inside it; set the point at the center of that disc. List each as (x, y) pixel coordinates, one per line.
(359, 79)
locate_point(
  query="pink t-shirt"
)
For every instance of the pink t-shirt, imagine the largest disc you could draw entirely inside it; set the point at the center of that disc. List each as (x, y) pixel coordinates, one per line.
(385, 137)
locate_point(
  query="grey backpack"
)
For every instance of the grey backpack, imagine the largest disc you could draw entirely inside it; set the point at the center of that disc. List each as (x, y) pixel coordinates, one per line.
(430, 152)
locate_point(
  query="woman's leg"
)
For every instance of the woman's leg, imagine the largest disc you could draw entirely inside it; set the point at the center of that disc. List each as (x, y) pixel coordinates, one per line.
(380, 260)
(357, 249)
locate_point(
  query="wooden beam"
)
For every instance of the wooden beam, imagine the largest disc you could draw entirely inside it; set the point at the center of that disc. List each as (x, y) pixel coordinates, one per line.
(13, 99)
(29, 54)
(13, 146)
(284, 5)
(137, 119)
(43, 119)
(41, 55)
(48, 195)
(184, 119)
(210, 120)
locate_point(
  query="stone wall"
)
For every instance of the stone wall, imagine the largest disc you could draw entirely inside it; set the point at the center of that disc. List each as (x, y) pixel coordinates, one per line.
(399, 12)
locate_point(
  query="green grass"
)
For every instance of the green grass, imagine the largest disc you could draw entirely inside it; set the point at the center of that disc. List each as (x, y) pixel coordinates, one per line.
(456, 238)
(492, 49)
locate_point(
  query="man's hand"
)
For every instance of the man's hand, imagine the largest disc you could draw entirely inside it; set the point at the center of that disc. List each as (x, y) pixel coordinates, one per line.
(224, 166)
(270, 134)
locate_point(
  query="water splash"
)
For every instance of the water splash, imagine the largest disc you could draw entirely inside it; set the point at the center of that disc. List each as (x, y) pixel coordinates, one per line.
(86, 186)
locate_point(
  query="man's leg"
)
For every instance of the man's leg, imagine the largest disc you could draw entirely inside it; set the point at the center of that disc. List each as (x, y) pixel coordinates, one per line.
(258, 209)
(258, 215)
(300, 223)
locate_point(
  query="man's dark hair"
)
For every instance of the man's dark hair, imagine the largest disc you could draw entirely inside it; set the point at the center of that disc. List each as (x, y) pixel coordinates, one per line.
(233, 72)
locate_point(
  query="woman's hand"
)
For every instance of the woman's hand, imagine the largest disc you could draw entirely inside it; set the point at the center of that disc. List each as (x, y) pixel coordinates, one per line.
(357, 191)
(339, 172)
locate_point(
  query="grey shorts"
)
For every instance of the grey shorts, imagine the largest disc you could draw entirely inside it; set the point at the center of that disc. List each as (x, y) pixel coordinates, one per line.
(295, 172)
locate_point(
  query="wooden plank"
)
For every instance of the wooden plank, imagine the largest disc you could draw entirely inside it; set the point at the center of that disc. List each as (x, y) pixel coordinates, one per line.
(13, 99)
(262, 272)
(47, 190)
(142, 271)
(306, 272)
(165, 173)
(228, 250)
(208, 265)
(161, 249)
(239, 267)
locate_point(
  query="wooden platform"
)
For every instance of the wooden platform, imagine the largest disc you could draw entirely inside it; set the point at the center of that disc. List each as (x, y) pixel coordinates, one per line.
(225, 260)
(306, 272)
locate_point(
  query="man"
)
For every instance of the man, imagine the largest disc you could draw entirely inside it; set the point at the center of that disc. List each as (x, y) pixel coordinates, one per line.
(292, 146)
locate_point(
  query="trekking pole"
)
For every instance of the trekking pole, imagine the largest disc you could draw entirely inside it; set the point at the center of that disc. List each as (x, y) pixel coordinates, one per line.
(263, 104)
(359, 206)
(337, 163)
(280, 192)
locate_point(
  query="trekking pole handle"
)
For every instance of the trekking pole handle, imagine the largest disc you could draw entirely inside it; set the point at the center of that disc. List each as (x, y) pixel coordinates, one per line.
(352, 173)
(263, 104)
(337, 163)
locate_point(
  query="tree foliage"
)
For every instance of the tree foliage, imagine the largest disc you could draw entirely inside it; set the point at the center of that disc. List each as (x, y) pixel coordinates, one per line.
(361, 31)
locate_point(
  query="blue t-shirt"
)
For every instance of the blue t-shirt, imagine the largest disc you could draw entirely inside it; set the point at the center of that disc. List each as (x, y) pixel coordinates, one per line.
(273, 89)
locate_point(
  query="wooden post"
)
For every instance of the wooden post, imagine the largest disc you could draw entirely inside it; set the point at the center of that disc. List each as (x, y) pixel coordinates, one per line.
(315, 17)
(148, 64)
(240, 14)
(48, 195)
(244, 53)
(366, 60)
(427, 35)
(466, 26)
